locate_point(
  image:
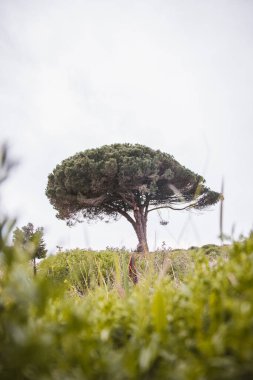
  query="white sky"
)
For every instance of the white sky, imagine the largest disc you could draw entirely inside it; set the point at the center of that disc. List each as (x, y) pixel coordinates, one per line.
(173, 75)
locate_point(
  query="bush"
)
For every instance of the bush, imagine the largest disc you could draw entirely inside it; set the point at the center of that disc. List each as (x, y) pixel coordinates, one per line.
(82, 271)
(199, 327)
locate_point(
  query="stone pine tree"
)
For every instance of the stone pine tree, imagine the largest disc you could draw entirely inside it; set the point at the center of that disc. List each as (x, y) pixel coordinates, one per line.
(32, 240)
(124, 180)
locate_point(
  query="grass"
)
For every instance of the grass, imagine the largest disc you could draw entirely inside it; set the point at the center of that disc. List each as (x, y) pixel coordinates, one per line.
(190, 316)
(82, 271)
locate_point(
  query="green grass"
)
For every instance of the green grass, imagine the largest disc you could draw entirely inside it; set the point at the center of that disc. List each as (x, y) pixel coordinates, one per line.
(190, 316)
(82, 271)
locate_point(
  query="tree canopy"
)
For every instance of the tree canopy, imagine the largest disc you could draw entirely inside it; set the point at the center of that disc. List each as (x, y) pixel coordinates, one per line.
(32, 240)
(124, 179)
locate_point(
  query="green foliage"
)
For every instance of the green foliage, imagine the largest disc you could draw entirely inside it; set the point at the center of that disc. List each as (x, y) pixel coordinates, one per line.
(194, 327)
(197, 328)
(30, 239)
(116, 179)
(82, 271)
(124, 180)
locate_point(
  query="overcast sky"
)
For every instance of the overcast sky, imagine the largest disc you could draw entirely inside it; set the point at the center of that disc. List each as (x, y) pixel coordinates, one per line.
(173, 75)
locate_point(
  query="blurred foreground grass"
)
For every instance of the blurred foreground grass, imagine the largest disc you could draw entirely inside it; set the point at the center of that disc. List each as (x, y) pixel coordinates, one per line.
(190, 316)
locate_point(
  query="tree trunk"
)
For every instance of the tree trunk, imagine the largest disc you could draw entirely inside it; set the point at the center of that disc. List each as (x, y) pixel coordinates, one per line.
(141, 230)
(140, 227)
(132, 270)
(139, 223)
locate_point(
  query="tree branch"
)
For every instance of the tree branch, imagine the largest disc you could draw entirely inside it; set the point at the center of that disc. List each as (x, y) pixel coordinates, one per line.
(127, 216)
(130, 202)
(146, 207)
(172, 208)
(123, 213)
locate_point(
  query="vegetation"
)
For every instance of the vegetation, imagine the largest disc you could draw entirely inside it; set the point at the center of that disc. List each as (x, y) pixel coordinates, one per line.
(191, 324)
(124, 180)
(30, 239)
(82, 271)
(189, 318)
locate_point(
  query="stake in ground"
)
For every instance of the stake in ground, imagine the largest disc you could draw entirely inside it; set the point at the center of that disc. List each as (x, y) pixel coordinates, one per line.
(124, 180)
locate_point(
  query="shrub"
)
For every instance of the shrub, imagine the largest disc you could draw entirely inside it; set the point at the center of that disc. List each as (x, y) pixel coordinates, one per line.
(197, 327)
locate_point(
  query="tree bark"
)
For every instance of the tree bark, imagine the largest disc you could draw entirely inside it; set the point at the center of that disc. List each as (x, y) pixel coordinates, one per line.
(132, 270)
(139, 223)
(140, 228)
